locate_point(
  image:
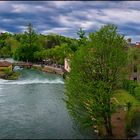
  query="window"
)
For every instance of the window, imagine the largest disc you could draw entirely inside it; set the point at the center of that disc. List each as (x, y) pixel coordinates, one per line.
(135, 68)
(135, 79)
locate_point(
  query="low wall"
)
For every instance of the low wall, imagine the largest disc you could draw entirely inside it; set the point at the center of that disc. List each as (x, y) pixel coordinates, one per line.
(53, 70)
(50, 69)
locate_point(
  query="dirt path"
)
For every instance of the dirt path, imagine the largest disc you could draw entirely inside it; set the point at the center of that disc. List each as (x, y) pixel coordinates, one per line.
(118, 124)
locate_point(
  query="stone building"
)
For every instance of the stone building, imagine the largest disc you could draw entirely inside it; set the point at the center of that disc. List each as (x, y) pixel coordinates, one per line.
(67, 65)
(134, 68)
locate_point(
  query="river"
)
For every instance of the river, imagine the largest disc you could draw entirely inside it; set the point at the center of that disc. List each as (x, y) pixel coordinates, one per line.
(32, 108)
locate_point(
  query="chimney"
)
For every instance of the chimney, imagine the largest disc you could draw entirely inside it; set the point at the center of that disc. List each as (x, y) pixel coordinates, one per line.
(129, 40)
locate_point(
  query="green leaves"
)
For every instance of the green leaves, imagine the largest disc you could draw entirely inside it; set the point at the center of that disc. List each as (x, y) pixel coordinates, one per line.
(29, 44)
(95, 73)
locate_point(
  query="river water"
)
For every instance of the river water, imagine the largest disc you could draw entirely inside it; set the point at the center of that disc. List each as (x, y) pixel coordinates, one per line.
(32, 107)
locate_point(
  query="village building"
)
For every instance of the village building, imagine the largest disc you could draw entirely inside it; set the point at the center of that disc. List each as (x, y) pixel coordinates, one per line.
(134, 71)
(5, 64)
(67, 65)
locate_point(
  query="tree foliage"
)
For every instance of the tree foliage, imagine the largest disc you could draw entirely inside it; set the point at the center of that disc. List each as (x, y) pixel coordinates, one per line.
(34, 47)
(59, 53)
(5, 47)
(29, 44)
(82, 37)
(95, 72)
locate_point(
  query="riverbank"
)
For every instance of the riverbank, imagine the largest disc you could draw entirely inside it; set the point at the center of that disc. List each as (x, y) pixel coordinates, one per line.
(9, 75)
(48, 69)
(45, 68)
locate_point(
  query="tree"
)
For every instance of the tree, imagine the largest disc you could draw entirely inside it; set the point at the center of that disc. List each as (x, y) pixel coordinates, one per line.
(59, 53)
(95, 72)
(5, 49)
(29, 45)
(52, 40)
(82, 37)
(81, 33)
(12, 44)
(3, 37)
(40, 55)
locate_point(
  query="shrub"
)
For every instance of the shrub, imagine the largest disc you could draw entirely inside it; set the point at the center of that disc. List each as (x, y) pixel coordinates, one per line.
(130, 86)
(137, 92)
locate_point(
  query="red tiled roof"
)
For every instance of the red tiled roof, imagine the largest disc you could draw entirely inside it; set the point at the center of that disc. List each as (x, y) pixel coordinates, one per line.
(5, 64)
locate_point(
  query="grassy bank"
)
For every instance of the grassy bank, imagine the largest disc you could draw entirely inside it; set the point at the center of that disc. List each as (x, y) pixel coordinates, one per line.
(37, 67)
(11, 75)
(130, 105)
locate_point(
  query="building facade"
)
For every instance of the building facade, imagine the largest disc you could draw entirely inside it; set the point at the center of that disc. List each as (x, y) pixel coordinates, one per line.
(134, 68)
(5, 65)
(67, 65)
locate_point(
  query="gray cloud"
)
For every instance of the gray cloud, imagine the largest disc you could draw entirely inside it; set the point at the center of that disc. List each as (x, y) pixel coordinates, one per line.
(66, 17)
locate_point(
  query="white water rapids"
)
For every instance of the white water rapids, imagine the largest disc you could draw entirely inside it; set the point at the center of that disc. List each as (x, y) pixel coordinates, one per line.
(31, 81)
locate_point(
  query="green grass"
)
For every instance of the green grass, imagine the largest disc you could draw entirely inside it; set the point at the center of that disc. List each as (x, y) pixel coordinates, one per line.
(37, 67)
(9, 75)
(123, 98)
(14, 76)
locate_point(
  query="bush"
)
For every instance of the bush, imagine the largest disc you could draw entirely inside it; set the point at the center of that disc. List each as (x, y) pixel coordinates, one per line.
(37, 67)
(13, 76)
(130, 86)
(137, 93)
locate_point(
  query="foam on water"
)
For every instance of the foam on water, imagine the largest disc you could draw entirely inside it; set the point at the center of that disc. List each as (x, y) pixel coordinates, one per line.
(31, 81)
(1, 95)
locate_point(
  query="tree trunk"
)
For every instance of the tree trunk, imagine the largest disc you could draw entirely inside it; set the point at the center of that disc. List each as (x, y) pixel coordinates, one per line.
(108, 127)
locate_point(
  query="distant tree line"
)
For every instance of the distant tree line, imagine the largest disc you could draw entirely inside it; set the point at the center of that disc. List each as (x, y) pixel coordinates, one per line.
(31, 46)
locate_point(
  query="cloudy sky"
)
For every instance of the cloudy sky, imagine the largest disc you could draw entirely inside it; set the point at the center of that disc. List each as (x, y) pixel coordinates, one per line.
(66, 17)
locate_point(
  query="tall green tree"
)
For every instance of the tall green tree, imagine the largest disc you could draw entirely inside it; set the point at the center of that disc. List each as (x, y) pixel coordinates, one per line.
(52, 40)
(5, 48)
(82, 37)
(29, 45)
(95, 72)
(59, 53)
(3, 37)
(12, 44)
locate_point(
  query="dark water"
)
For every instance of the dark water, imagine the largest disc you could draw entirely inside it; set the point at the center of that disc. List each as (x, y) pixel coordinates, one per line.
(32, 107)
(136, 125)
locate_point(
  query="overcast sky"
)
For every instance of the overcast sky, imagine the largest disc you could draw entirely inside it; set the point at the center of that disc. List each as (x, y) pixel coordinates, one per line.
(66, 17)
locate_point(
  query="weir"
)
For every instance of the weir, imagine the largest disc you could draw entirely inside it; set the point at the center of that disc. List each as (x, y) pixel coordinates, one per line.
(23, 64)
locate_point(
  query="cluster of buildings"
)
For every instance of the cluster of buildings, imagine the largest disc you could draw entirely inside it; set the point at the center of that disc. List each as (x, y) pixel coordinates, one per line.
(130, 44)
